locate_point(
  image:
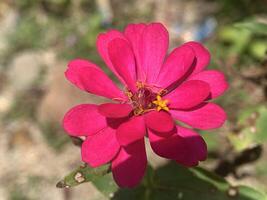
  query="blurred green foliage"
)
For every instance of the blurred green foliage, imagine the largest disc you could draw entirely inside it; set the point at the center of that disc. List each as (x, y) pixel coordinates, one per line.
(55, 24)
(246, 39)
(252, 128)
(27, 35)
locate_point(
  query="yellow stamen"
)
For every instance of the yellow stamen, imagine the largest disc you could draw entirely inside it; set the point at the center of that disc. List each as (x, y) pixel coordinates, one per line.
(129, 94)
(161, 104)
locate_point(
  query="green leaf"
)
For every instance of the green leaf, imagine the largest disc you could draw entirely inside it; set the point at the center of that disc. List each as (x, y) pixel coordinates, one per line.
(175, 182)
(169, 182)
(253, 126)
(251, 193)
(83, 174)
(106, 185)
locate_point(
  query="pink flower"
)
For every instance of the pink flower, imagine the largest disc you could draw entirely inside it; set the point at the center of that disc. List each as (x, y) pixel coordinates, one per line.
(157, 91)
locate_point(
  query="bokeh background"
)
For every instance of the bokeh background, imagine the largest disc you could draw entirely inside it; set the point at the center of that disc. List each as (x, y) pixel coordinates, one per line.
(39, 37)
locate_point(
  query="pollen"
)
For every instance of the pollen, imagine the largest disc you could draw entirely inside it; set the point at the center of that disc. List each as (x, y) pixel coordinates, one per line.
(161, 103)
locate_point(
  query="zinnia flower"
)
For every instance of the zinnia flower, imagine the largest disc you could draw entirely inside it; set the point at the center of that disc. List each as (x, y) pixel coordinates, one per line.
(160, 94)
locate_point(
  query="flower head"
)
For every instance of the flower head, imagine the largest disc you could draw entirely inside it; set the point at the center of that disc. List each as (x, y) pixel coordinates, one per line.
(159, 90)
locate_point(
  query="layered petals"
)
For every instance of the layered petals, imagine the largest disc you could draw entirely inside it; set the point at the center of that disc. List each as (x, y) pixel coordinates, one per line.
(153, 42)
(112, 110)
(161, 122)
(188, 95)
(100, 148)
(131, 131)
(176, 66)
(83, 120)
(185, 146)
(202, 56)
(129, 166)
(215, 79)
(122, 58)
(89, 77)
(133, 33)
(204, 117)
(103, 41)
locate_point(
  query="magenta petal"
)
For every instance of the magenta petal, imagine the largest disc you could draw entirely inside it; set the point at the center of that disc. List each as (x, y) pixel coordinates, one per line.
(159, 121)
(100, 148)
(196, 146)
(122, 58)
(129, 166)
(80, 63)
(112, 110)
(188, 95)
(168, 147)
(215, 79)
(202, 56)
(102, 44)
(185, 146)
(153, 48)
(134, 33)
(89, 77)
(204, 117)
(177, 64)
(131, 131)
(83, 120)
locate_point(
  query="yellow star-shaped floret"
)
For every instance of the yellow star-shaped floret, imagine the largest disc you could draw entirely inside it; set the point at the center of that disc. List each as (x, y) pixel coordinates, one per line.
(161, 104)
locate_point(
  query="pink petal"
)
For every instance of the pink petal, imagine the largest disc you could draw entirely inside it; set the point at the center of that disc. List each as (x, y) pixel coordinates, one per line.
(113, 110)
(171, 147)
(159, 121)
(116, 122)
(188, 95)
(177, 65)
(131, 131)
(206, 116)
(89, 77)
(215, 79)
(129, 166)
(196, 146)
(202, 55)
(122, 58)
(83, 120)
(80, 63)
(134, 33)
(100, 148)
(152, 51)
(185, 146)
(102, 43)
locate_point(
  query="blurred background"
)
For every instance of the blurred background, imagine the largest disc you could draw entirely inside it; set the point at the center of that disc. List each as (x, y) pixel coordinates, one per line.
(39, 37)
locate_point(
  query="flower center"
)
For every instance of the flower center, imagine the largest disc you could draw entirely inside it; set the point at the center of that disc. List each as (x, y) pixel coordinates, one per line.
(145, 99)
